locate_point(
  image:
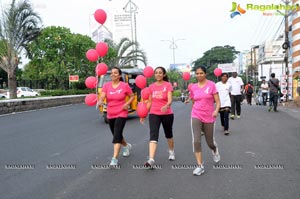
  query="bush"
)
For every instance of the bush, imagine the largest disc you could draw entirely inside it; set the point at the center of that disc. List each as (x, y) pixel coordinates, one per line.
(65, 92)
(176, 93)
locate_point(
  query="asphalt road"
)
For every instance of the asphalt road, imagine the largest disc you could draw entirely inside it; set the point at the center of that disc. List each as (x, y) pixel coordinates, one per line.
(61, 153)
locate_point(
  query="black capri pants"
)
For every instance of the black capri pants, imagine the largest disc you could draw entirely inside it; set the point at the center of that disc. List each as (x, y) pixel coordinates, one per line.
(167, 123)
(116, 126)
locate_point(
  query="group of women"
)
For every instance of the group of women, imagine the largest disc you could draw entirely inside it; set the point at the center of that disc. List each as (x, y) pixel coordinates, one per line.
(206, 106)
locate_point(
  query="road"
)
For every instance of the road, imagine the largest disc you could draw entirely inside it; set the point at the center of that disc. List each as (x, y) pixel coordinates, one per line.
(59, 153)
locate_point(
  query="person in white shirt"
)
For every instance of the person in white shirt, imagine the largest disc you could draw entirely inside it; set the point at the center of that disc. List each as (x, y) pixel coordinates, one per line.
(224, 88)
(264, 90)
(236, 94)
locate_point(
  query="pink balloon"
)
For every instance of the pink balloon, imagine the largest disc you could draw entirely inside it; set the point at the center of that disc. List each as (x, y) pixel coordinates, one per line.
(148, 71)
(91, 99)
(91, 82)
(141, 81)
(186, 76)
(101, 69)
(100, 16)
(145, 93)
(218, 72)
(92, 55)
(142, 110)
(190, 86)
(102, 49)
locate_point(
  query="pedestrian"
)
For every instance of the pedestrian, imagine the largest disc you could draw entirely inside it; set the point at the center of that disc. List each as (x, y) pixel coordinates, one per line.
(224, 88)
(160, 112)
(249, 92)
(273, 92)
(236, 95)
(205, 108)
(264, 91)
(115, 93)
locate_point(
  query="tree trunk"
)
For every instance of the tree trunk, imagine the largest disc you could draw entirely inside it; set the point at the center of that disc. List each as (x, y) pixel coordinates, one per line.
(12, 84)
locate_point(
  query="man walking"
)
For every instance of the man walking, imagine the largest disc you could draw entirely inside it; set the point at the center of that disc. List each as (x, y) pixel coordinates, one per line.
(236, 94)
(264, 90)
(273, 91)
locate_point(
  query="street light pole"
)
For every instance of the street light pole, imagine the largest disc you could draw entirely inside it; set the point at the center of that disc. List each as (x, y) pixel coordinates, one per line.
(173, 46)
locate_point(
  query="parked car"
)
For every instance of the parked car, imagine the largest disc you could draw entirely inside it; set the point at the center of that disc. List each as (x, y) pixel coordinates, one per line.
(26, 92)
(4, 93)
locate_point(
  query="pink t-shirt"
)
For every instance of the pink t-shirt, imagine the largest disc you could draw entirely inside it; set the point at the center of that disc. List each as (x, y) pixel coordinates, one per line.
(160, 98)
(116, 98)
(203, 106)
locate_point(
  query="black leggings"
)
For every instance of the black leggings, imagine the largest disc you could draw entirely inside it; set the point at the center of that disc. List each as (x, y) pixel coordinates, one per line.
(167, 123)
(224, 117)
(116, 126)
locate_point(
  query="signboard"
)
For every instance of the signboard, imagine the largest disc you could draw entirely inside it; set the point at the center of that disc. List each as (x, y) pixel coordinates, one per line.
(73, 78)
(227, 68)
(180, 67)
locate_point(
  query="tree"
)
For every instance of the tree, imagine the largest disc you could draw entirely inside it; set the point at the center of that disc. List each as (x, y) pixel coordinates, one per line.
(214, 56)
(128, 52)
(58, 53)
(19, 26)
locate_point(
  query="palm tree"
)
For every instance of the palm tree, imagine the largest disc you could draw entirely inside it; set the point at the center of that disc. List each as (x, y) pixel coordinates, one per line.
(128, 52)
(19, 25)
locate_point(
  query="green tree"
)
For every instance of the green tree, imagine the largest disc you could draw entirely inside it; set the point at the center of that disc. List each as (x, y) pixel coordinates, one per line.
(19, 26)
(56, 54)
(213, 57)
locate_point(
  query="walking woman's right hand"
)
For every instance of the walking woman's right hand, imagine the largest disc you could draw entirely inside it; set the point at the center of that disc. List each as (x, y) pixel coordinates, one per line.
(142, 120)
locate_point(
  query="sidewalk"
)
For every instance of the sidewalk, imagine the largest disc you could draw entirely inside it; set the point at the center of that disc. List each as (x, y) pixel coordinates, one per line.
(290, 108)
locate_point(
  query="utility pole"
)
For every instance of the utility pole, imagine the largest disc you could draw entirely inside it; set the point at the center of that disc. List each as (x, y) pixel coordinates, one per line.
(173, 46)
(286, 46)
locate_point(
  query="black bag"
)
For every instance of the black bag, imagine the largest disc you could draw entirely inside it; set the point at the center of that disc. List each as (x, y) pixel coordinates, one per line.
(250, 90)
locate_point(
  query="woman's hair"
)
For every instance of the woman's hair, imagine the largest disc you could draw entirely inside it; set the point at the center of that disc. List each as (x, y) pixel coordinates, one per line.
(224, 74)
(165, 78)
(203, 68)
(120, 72)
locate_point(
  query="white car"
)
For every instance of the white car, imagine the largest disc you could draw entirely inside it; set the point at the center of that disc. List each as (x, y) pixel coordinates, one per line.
(26, 92)
(4, 93)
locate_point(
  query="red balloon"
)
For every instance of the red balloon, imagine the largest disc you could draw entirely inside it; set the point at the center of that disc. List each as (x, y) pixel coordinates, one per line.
(91, 82)
(101, 69)
(91, 99)
(145, 93)
(100, 16)
(92, 55)
(148, 71)
(186, 76)
(102, 49)
(190, 86)
(142, 110)
(141, 81)
(218, 72)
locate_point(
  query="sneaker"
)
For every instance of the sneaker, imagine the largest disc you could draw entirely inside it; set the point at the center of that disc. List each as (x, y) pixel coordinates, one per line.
(149, 164)
(226, 132)
(171, 155)
(216, 156)
(238, 116)
(113, 163)
(199, 170)
(126, 150)
(232, 117)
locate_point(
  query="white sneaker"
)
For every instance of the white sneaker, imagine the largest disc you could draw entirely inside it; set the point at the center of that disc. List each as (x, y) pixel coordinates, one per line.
(149, 164)
(126, 150)
(216, 156)
(199, 170)
(113, 163)
(171, 155)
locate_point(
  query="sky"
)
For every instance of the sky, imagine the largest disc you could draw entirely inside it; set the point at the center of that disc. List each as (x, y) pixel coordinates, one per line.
(202, 24)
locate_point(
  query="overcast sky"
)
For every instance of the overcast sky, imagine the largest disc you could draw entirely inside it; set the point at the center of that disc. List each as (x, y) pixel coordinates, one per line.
(203, 24)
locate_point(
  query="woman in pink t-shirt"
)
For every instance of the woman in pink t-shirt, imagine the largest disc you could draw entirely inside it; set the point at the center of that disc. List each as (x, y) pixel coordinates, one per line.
(159, 104)
(206, 105)
(115, 93)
